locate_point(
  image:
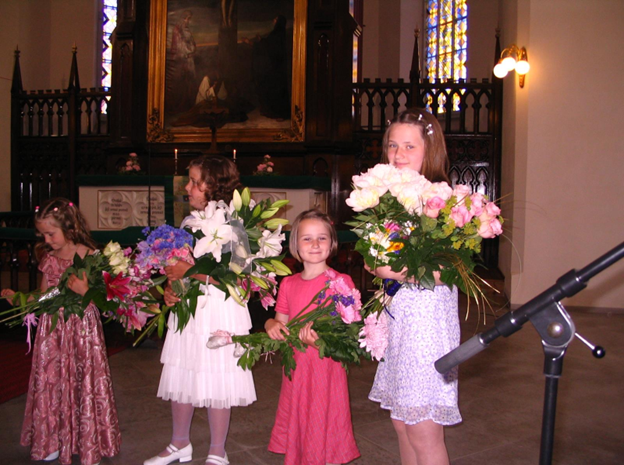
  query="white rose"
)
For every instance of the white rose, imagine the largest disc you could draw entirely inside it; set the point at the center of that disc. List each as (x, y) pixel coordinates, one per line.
(411, 200)
(361, 199)
(437, 189)
(111, 248)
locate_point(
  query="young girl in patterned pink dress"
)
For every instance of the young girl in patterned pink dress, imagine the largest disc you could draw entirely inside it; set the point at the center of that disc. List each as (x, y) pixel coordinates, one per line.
(70, 408)
(313, 420)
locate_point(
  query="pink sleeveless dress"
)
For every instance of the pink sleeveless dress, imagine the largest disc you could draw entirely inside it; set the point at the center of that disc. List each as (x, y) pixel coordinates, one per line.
(313, 421)
(70, 405)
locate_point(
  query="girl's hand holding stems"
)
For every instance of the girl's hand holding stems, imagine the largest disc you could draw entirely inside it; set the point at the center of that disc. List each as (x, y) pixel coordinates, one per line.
(385, 272)
(177, 272)
(276, 328)
(78, 285)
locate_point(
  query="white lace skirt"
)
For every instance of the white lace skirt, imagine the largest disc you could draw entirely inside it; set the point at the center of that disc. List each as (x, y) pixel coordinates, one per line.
(194, 374)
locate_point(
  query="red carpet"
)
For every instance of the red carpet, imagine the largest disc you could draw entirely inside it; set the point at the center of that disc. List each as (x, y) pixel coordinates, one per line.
(15, 365)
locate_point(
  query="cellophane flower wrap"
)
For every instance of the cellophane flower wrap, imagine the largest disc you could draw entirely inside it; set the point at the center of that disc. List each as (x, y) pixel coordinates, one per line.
(409, 223)
(336, 313)
(239, 246)
(118, 288)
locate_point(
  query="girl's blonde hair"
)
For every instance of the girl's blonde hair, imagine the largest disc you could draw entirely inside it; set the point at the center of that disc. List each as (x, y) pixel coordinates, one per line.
(313, 214)
(219, 175)
(70, 221)
(435, 163)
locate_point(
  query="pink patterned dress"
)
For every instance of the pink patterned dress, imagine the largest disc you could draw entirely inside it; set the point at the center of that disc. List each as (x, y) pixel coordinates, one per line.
(313, 421)
(70, 406)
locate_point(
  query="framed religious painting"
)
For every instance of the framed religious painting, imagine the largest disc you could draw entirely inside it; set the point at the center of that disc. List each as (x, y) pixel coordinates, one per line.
(236, 67)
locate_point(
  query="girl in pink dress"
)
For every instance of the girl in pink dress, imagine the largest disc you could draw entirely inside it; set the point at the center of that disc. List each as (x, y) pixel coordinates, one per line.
(70, 408)
(313, 420)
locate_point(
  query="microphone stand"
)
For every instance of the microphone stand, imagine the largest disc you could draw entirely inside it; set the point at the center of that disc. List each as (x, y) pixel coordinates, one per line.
(556, 329)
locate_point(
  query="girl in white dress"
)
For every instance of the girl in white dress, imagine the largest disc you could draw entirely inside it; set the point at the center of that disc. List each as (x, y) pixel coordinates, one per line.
(192, 375)
(424, 324)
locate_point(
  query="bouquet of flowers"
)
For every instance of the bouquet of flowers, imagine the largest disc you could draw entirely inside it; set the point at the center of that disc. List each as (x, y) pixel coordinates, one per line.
(132, 165)
(265, 168)
(119, 290)
(409, 223)
(164, 246)
(337, 320)
(237, 245)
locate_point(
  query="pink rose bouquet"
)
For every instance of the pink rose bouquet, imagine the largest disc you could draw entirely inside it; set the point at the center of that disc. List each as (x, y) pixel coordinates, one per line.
(132, 165)
(409, 223)
(266, 168)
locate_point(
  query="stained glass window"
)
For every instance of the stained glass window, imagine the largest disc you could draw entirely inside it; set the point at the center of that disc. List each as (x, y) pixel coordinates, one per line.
(447, 42)
(109, 23)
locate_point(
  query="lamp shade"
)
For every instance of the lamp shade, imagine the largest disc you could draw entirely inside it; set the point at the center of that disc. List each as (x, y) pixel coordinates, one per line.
(509, 63)
(500, 70)
(522, 67)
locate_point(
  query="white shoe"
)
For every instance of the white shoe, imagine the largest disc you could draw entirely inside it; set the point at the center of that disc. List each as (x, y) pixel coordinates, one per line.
(183, 455)
(216, 460)
(52, 456)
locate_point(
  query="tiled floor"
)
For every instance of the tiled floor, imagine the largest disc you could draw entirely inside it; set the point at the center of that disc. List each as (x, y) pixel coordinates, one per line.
(501, 398)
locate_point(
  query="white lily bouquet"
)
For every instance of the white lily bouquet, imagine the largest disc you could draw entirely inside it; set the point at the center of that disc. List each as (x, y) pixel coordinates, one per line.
(238, 245)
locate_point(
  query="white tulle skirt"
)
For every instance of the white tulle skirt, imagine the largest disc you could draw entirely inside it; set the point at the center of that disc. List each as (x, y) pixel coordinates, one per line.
(194, 374)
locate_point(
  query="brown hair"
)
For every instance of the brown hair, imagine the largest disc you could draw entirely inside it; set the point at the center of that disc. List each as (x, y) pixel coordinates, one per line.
(313, 214)
(70, 221)
(219, 175)
(435, 162)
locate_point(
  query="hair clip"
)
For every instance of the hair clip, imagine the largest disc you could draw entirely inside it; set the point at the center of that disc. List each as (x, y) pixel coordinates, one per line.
(71, 204)
(429, 129)
(388, 122)
(420, 117)
(37, 209)
(55, 209)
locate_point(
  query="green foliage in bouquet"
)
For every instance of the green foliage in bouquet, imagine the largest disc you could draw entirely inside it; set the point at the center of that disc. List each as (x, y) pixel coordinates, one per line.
(336, 319)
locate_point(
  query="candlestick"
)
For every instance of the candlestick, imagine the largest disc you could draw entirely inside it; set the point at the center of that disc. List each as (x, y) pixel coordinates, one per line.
(234, 154)
(175, 162)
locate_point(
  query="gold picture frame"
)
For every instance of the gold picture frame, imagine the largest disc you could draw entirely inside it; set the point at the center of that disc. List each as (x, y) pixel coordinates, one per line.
(162, 125)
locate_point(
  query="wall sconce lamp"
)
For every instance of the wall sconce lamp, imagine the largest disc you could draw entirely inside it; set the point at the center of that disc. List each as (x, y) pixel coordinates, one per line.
(513, 58)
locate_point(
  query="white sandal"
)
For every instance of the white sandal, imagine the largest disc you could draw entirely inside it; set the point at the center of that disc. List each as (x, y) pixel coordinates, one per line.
(183, 455)
(216, 460)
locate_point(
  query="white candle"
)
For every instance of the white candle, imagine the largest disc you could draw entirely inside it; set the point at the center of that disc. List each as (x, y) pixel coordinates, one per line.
(234, 154)
(175, 151)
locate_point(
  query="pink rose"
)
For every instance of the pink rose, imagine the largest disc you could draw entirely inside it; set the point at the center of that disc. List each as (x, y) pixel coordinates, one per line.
(492, 209)
(461, 191)
(331, 274)
(461, 215)
(349, 313)
(433, 207)
(478, 201)
(490, 227)
(339, 286)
